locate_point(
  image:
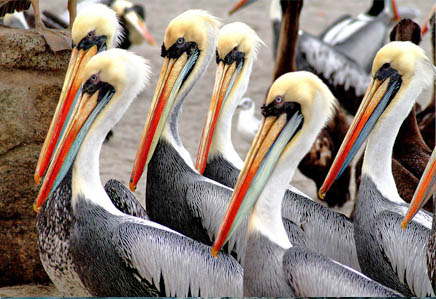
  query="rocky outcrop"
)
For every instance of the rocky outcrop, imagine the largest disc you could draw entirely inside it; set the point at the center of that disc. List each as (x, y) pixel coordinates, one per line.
(31, 78)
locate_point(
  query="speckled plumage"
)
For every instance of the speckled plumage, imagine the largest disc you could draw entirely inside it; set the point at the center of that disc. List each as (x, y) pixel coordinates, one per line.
(130, 257)
(54, 224)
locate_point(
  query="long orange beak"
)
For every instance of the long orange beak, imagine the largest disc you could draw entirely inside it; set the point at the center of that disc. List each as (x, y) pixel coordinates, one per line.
(426, 187)
(427, 21)
(239, 5)
(73, 77)
(139, 25)
(85, 106)
(170, 81)
(375, 101)
(395, 10)
(223, 80)
(273, 136)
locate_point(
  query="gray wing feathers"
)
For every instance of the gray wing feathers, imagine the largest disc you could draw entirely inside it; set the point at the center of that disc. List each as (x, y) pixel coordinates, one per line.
(186, 266)
(209, 202)
(405, 249)
(312, 275)
(333, 65)
(326, 232)
(124, 200)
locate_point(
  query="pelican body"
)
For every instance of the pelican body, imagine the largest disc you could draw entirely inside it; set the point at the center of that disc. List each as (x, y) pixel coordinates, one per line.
(218, 160)
(297, 106)
(95, 29)
(400, 72)
(114, 253)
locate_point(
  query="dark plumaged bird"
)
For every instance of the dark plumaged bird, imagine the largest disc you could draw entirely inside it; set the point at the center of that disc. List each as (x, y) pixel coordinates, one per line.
(55, 40)
(297, 106)
(400, 72)
(426, 118)
(115, 254)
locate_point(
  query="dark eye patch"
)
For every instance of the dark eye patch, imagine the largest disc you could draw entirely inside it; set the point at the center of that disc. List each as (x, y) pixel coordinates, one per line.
(232, 56)
(275, 109)
(90, 40)
(385, 71)
(177, 49)
(94, 84)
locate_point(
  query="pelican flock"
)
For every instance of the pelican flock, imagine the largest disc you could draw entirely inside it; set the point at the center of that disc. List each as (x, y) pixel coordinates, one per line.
(229, 225)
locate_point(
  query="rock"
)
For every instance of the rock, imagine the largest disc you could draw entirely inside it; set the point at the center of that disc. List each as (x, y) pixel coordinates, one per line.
(31, 78)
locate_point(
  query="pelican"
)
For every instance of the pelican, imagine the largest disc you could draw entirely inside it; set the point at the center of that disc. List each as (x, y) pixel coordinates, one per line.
(95, 29)
(400, 72)
(297, 106)
(426, 187)
(410, 149)
(114, 253)
(131, 17)
(177, 195)
(218, 160)
(362, 36)
(55, 40)
(237, 49)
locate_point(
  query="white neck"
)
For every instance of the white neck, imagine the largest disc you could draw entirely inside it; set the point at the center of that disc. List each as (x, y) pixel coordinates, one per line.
(267, 216)
(86, 173)
(171, 130)
(377, 163)
(222, 139)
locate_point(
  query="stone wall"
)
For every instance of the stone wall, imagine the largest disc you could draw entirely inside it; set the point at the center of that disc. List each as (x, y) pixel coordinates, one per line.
(31, 78)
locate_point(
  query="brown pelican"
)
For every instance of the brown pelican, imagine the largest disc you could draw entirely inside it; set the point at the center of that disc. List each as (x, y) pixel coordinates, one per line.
(400, 72)
(55, 40)
(360, 37)
(96, 28)
(426, 187)
(54, 219)
(410, 149)
(297, 106)
(131, 17)
(177, 195)
(237, 49)
(114, 253)
(410, 153)
(218, 160)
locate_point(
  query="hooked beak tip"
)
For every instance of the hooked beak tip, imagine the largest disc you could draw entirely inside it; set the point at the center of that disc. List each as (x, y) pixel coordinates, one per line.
(214, 252)
(37, 178)
(404, 224)
(132, 186)
(36, 208)
(321, 194)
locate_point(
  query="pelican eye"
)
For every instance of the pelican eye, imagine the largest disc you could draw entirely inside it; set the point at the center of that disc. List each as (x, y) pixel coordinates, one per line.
(91, 34)
(90, 40)
(278, 100)
(178, 48)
